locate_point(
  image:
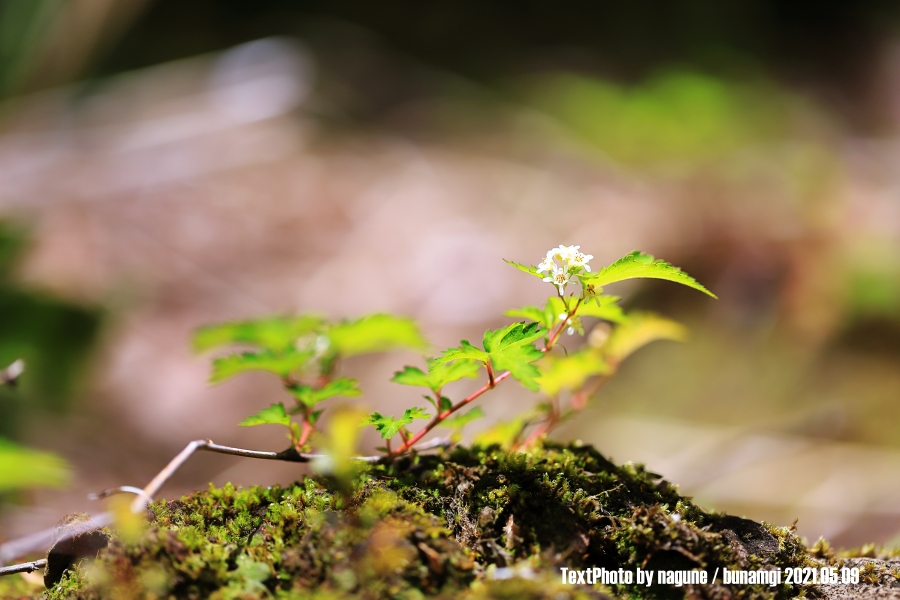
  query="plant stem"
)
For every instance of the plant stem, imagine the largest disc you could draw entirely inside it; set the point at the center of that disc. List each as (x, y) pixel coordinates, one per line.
(493, 380)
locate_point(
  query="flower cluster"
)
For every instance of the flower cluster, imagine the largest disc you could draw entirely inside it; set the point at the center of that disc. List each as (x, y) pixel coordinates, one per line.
(563, 263)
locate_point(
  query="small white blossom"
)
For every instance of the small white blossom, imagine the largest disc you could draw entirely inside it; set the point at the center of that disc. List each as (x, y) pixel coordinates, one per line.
(579, 259)
(546, 264)
(560, 278)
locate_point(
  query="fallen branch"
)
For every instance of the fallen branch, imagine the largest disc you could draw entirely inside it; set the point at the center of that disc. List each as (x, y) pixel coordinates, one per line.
(28, 567)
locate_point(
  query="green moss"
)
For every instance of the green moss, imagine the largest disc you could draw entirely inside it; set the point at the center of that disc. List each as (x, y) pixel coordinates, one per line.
(473, 523)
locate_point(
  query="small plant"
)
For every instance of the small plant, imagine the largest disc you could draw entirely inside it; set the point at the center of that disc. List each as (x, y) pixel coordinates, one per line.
(305, 352)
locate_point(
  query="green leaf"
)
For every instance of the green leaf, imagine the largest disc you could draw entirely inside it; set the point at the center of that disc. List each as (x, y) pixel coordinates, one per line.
(604, 307)
(640, 265)
(439, 375)
(280, 363)
(375, 333)
(499, 341)
(389, 426)
(309, 396)
(25, 468)
(570, 372)
(460, 421)
(273, 415)
(465, 351)
(509, 349)
(272, 333)
(517, 360)
(525, 268)
(639, 330)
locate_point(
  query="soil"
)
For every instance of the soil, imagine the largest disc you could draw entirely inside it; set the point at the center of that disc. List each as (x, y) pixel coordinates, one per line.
(471, 523)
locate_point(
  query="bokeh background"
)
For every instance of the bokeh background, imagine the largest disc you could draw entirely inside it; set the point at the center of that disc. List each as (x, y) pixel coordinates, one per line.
(167, 164)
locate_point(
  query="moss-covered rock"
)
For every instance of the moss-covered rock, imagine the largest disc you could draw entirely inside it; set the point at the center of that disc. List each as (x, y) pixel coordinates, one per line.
(472, 523)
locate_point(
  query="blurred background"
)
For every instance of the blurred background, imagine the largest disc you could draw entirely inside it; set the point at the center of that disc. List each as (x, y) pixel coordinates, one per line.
(168, 164)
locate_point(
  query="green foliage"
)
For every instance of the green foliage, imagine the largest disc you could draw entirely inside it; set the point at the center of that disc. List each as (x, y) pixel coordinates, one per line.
(282, 364)
(389, 426)
(278, 334)
(310, 395)
(640, 265)
(637, 331)
(570, 372)
(24, 468)
(524, 268)
(438, 375)
(273, 415)
(375, 333)
(680, 116)
(510, 348)
(305, 351)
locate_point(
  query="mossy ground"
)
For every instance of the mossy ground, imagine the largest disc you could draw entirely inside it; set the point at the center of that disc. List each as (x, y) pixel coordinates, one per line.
(471, 523)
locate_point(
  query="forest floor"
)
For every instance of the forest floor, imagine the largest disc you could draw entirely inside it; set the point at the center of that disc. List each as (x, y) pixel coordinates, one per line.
(469, 523)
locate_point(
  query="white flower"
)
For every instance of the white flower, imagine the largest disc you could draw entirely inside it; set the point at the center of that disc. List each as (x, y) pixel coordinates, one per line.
(563, 253)
(560, 278)
(579, 259)
(546, 264)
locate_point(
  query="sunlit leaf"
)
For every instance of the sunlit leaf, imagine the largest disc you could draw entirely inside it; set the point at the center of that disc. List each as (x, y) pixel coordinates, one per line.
(570, 372)
(640, 265)
(273, 415)
(439, 375)
(342, 386)
(465, 351)
(389, 426)
(272, 333)
(510, 349)
(375, 333)
(459, 421)
(525, 268)
(24, 468)
(639, 330)
(280, 363)
(500, 341)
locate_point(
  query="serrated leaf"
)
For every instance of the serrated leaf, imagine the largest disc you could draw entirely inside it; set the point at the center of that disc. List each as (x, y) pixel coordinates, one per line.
(465, 351)
(438, 376)
(273, 415)
(309, 396)
(639, 330)
(517, 360)
(525, 268)
(389, 426)
(498, 341)
(280, 363)
(570, 372)
(272, 333)
(511, 349)
(640, 265)
(460, 421)
(375, 333)
(22, 468)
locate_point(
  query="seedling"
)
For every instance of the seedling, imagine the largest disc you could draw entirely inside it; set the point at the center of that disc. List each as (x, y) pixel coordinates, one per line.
(305, 353)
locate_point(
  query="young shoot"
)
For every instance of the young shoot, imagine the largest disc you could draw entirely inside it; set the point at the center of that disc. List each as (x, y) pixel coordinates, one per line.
(305, 353)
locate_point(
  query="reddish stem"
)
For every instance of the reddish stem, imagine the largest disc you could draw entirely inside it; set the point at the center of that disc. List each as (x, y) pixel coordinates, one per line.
(492, 382)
